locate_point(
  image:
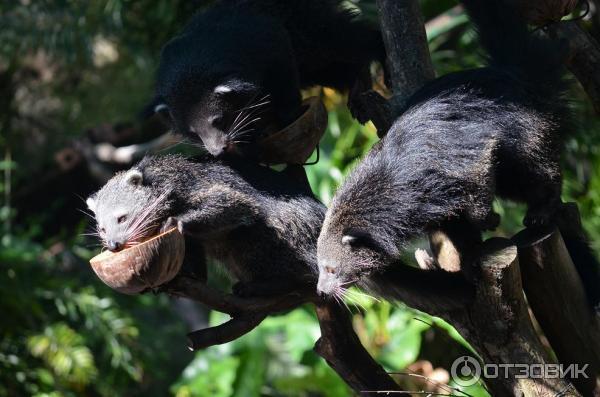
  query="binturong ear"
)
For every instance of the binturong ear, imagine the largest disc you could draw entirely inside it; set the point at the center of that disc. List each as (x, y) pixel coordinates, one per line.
(235, 86)
(91, 203)
(223, 89)
(134, 177)
(150, 108)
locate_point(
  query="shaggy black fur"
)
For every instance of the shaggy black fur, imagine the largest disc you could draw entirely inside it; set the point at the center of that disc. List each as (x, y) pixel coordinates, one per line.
(236, 70)
(253, 220)
(464, 138)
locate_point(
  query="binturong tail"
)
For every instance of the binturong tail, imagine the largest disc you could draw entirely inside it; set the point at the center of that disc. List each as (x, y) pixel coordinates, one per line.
(503, 33)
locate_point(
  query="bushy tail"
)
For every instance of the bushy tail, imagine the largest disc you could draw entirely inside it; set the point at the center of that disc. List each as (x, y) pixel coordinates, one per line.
(509, 44)
(587, 266)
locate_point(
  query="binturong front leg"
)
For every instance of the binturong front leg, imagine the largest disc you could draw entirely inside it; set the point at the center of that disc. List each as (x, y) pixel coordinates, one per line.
(542, 203)
(194, 264)
(194, 267)
(215, 213)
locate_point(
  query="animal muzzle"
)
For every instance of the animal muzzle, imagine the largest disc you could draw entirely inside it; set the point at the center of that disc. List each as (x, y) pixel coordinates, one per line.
(114, 246)
(328, 284)
(216, 143)
(217, 151)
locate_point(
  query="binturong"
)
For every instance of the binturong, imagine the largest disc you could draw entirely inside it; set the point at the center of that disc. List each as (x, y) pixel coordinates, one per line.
(235, 72)
(464, 138)
(254, 221)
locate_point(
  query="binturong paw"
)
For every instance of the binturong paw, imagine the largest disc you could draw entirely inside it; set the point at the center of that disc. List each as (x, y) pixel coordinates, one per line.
(357, 108)
(172, 222)
(424, 260)
(537, 218)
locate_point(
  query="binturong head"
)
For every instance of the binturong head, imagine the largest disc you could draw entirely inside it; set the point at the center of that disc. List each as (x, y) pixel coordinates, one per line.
(127, 210)
(364, 228)
(348, 254)
(226, 81)
(223, 117)
(350, 248)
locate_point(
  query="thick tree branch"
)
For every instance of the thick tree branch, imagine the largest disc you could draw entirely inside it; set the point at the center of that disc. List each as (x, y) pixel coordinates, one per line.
(340, 347)
(557, 297)
(338, 344)
(233, 305)
(409, 63)
(584, 57)
(497, 325)
(224, 333)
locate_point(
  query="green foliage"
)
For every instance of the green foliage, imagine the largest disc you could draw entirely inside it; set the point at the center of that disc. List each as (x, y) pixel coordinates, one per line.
(274, 359)
(62, 349)
(64, 333)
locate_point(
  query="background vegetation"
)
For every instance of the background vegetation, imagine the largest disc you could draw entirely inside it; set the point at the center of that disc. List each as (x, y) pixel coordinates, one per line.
(70, 67)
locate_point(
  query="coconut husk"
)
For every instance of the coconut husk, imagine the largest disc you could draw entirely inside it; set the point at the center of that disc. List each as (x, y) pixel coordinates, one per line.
(543, 12)
(295, 143)
(146, 265)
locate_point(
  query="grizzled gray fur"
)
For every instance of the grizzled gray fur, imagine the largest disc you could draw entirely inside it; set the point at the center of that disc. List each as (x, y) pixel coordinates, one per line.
(463, 139)
(253, 220)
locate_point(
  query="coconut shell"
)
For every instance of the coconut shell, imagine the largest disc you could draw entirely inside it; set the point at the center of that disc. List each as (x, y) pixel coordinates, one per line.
(146, 265)
(543, 12)
(295, 143)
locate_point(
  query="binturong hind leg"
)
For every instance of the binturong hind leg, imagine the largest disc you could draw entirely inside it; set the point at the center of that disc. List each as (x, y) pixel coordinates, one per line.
(481, 214)
(543, 200)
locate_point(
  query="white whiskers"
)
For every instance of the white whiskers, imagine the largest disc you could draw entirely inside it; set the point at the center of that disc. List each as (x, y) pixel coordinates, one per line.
(246, 117)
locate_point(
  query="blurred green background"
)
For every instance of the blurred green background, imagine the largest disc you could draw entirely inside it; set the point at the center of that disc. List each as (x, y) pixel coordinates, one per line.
(76, 72)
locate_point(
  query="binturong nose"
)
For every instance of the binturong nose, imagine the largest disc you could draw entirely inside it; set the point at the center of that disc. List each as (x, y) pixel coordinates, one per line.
(215, 141)
(114, 246)
(217, 150)
(328, 282)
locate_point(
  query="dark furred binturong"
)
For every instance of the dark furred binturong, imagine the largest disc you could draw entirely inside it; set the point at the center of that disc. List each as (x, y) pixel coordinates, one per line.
(235, 72)
(464, 138)
(255, 221)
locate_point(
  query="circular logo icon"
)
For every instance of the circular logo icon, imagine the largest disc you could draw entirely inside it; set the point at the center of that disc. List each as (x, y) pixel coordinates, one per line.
(465, 371)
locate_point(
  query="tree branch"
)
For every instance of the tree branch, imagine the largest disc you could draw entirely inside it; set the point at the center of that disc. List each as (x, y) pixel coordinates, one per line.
(584, 57)
(342, 350)
(233, 305)
(224, 333)
(557, 297)
(338, 344)
(497, 325)
(409, 63)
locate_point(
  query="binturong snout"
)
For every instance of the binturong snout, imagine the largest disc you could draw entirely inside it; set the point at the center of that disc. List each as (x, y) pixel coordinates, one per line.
(215, 142)
(114, 246)
(329, 281)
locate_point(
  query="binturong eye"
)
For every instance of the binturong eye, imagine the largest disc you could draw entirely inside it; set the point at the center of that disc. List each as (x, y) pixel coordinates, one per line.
(215, 121)
(358, 238)
(164, 113)
(349, 240)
